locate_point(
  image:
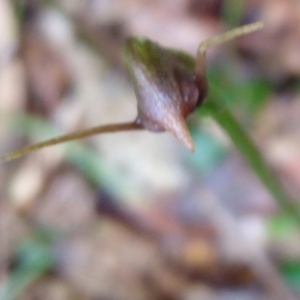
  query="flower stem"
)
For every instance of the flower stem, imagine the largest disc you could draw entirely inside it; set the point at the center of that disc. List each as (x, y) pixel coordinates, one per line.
(74, 136)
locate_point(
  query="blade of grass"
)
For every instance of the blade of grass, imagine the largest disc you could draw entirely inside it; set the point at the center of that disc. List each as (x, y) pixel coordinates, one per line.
(222, 115)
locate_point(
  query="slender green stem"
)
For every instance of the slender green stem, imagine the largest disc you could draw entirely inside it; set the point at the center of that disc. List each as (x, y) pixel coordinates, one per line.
(109, 128)
(227, 36)
(252, 155)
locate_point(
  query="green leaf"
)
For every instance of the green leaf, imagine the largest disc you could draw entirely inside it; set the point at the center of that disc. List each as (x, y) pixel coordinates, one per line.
(291, 272)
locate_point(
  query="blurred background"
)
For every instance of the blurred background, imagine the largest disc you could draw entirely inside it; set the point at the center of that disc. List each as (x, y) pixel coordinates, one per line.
(135, 215)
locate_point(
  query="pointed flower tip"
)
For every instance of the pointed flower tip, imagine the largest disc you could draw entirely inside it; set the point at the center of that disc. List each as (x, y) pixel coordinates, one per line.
(188, 142)
(180, 130)
(191, 146)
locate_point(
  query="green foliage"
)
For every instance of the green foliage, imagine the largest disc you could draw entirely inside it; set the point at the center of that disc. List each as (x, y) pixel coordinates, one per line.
(232, 11)
(33, 258)
(222, 115)
(245, 95)
(283, 230)
(291, 272)
(282, 226)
